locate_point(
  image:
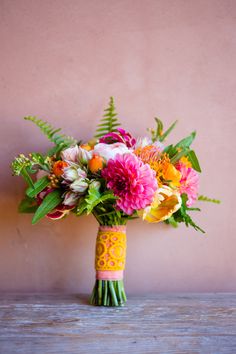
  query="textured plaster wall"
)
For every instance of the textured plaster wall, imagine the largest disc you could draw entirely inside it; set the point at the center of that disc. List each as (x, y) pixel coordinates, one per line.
(61, 60)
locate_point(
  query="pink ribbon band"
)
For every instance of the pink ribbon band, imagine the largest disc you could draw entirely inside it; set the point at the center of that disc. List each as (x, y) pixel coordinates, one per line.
(109, 274)
(118, 228)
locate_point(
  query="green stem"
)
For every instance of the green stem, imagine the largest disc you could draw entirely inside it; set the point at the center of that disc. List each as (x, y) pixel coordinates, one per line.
(100, 292)
(108, 293)
(105, 293)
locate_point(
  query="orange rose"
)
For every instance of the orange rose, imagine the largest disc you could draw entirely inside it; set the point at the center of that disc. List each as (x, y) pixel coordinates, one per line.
(58, 167)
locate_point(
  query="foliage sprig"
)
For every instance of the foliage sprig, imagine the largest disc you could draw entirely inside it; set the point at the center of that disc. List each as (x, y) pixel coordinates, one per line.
(61, 141)
(203, 198)
(182, 215)
(109, 122)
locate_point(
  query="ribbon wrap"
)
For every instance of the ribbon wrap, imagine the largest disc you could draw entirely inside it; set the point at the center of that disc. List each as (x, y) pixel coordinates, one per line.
(110, 252)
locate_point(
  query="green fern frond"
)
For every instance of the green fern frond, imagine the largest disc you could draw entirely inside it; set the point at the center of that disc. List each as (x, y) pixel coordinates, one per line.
(20, 166)
(109, 122)
(20, 163)
(52, 133)
(203, 198)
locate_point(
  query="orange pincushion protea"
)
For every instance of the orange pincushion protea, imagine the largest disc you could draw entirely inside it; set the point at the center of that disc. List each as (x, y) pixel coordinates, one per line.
(160, 163)
(58, 167)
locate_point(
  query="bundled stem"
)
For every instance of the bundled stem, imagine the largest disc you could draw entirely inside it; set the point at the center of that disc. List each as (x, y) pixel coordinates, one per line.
(109, 265)
(108, 293)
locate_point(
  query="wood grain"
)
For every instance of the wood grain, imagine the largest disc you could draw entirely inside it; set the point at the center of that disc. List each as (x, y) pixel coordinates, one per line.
(163, 323)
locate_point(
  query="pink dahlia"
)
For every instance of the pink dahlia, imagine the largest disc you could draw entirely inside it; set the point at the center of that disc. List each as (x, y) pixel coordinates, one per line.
(189, 182)
(132, 181)
(120, 136)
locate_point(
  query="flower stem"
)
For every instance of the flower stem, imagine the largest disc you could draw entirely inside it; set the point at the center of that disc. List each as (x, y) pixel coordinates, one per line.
(108, 293)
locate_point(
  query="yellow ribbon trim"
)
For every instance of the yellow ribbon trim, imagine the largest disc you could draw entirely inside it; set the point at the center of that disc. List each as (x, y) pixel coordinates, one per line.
(110, 250)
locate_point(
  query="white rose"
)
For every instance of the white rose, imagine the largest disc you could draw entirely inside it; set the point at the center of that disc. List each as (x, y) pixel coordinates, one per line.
(109, 151)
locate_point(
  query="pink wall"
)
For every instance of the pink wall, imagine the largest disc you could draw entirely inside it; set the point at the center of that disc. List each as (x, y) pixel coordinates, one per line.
(61, 60)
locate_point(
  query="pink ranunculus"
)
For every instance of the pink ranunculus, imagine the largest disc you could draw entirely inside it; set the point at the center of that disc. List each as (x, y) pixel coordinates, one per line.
(120, 136)
(109, 151)
(189, 183)
(70, 154)
(132, 181)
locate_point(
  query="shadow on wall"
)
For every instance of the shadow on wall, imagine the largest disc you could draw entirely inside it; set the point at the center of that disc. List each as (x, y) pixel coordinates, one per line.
(58, 256)
(49, 256)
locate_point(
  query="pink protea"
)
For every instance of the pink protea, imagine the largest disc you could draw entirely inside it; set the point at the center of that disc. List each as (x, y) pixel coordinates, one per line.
(189, 182)
(132, 181)
(120, 136)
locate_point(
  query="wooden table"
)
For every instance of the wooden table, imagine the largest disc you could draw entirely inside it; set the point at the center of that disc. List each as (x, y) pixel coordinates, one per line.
(163, 323)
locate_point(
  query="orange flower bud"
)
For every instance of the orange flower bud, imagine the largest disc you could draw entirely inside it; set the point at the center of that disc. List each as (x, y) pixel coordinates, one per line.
(92, 142)
(96, 163)
(58, 167)
(86, 147)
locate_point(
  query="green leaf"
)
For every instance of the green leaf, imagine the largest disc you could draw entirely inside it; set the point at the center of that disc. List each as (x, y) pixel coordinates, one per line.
(182, 216)
(170, 150)
(102, 199)
(168, 131)
(109, 122)
(82, 206)
(27, 177)
(203, 198)
(159, 127)
(178, 156)
(171, 221)
(186, 142)
(48, 204)
(38, 160)
(54, 150)
(93, 194)
(157, 133)
(37, 187)
(27, 205)
(194, 161)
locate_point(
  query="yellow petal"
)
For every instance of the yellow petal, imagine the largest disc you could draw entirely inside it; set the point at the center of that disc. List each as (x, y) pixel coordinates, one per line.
(186, 161)
(173, 175)
(169, 203)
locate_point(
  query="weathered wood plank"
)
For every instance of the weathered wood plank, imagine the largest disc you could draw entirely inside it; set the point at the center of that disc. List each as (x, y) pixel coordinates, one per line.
(163, 323)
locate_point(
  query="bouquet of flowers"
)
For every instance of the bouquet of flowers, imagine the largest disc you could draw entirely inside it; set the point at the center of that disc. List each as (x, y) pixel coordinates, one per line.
(117, 178)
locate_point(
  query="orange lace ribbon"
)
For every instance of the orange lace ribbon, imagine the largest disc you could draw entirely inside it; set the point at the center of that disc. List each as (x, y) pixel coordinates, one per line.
(110, 248)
